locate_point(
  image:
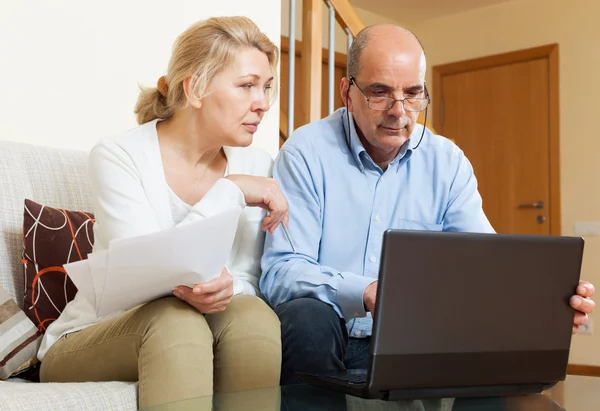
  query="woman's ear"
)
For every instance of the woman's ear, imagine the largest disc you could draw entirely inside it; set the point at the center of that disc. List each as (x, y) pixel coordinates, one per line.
(190, 93)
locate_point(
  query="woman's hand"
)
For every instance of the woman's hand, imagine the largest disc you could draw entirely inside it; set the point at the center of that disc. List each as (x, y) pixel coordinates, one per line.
(265, 193)
(211, 297)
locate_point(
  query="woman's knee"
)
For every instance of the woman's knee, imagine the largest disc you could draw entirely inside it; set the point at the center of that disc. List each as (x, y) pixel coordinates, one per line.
(247, 345)
(247, 315)
(171, 318)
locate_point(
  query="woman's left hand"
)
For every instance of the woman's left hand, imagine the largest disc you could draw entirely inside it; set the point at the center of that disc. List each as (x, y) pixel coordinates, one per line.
(210, 297)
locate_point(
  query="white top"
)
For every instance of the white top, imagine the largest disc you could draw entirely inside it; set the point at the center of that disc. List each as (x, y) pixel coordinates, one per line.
(131, 197)
(179, 208)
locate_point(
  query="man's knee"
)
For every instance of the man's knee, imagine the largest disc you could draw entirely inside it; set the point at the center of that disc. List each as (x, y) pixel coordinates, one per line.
(306, 317)
(314, 338)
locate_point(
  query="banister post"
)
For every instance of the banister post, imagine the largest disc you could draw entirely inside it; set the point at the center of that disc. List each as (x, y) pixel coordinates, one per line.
(312, 60)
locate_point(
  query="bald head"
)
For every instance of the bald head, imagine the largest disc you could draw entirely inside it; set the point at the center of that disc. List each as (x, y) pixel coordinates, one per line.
(381, 38)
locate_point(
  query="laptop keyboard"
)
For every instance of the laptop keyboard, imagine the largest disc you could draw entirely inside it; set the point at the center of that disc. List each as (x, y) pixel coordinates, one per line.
(352, 377)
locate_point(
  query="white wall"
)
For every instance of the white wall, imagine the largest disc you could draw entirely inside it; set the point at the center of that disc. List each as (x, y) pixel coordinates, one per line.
(70, 68)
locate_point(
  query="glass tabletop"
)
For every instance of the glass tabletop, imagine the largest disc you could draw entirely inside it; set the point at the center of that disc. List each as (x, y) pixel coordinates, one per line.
(574, 394)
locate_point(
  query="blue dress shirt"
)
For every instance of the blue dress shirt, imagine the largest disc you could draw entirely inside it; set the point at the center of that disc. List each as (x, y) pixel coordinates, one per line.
(341, 202)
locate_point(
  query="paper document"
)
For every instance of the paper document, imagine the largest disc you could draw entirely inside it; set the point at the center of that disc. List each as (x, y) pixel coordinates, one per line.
(140, 269)
(79, 273)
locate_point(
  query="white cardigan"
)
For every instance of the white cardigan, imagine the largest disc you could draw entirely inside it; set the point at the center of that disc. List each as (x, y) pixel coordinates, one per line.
(131, 197)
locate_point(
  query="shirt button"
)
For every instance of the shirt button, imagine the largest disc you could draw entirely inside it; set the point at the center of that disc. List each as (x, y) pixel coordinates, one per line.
(359, 333)
(377, 218)
(381, 179)
(372, 259)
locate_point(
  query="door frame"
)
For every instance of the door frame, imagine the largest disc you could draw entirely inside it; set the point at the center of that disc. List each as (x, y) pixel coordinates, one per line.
(548, 51)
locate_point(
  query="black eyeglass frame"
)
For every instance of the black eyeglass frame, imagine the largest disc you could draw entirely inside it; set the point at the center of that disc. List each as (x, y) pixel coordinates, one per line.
(352, 81)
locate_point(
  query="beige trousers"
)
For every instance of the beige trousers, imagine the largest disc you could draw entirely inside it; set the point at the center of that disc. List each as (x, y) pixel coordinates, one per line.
(174, 351)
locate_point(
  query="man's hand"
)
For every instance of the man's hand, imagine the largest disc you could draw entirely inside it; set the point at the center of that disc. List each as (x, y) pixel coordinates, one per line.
(370, 297)
(583, 303)
(210, 297)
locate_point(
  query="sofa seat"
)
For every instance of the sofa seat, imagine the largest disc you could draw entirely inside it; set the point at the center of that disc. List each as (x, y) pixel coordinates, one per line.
(16, 394)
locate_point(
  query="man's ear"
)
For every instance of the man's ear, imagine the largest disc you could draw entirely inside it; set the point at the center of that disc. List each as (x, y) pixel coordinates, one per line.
(344, 89)
(192, 98)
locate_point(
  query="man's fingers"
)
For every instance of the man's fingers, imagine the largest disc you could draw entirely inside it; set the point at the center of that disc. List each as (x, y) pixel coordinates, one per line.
(580, 319)
(584, 305)
(372, 306)
(585, 289)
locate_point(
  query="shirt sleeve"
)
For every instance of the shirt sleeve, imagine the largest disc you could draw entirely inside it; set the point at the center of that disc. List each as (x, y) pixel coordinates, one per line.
(464, 212)
(288, 276)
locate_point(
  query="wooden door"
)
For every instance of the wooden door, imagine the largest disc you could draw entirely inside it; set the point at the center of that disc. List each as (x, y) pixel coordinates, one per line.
(500, 114)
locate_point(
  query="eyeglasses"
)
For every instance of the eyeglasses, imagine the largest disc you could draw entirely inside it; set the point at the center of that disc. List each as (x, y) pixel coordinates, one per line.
(413, 104)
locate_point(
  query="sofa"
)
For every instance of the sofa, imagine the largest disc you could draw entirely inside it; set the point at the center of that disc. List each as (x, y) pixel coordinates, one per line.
(56, 178)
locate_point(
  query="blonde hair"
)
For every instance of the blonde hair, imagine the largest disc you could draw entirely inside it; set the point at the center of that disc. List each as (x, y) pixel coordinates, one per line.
(204, 50)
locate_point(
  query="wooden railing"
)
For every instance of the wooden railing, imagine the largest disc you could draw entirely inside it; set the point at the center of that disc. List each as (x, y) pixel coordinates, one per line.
(312, 44)
(312, 29)
(312, 89)
(346, 16)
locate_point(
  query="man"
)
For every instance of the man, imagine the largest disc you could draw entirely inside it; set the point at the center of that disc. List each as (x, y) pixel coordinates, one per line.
(347, 180)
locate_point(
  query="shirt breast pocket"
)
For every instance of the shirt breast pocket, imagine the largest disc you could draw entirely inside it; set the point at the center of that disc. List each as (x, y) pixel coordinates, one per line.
(405, 224)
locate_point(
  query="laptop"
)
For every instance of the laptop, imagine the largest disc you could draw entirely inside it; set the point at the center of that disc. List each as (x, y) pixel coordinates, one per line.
(467, 315)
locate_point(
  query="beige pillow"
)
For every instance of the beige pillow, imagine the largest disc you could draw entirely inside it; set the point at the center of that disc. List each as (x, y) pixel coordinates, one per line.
(19, 338)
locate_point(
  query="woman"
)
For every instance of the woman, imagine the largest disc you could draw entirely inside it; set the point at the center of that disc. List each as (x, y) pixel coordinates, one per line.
(189, 159)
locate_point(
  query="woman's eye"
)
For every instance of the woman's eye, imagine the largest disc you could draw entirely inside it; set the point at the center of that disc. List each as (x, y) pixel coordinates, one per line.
(247, 86)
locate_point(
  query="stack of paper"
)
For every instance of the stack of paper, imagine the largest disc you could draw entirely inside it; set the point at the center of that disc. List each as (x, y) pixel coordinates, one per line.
(136, 270)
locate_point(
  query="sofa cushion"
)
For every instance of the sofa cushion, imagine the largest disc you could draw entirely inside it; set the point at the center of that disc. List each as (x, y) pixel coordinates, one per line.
(51, 176)
(52, 237)
(19, 338)
(86, 396)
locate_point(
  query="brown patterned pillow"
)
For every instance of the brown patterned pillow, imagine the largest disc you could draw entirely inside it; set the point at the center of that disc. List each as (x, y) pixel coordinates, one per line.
(52, 237)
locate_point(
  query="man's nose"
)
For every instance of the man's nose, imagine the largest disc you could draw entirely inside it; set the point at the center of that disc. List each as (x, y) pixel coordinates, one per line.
(397, 110)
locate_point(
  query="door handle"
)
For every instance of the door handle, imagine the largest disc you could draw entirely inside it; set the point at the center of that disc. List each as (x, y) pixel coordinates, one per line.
(537, 204)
